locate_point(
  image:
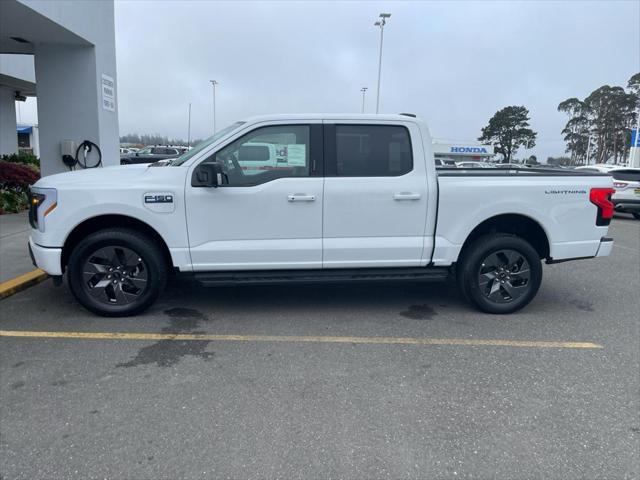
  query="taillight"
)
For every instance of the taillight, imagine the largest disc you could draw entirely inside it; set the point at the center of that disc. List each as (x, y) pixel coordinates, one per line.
(601, 198)
(620, 185)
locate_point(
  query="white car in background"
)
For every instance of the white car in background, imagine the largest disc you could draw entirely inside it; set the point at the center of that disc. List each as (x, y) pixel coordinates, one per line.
(472, 164)
(626, 181)
(445, 162)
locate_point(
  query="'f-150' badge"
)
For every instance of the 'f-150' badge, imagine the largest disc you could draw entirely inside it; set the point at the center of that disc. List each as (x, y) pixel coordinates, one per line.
(159, 202)
(158, 199)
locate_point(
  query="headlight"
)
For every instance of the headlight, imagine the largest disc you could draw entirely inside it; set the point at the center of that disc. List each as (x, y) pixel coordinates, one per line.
(42, 201)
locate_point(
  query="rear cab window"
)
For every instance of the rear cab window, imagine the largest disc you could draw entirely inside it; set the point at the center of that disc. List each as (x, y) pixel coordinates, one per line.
(371, 151)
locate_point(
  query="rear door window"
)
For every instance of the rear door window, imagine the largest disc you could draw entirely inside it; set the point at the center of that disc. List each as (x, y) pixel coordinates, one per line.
(372, 151)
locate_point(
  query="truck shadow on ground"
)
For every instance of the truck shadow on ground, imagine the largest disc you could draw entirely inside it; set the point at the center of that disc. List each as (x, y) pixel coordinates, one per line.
(414, 300)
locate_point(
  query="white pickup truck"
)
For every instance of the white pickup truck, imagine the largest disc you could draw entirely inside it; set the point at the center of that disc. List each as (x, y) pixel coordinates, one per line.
(358, 198)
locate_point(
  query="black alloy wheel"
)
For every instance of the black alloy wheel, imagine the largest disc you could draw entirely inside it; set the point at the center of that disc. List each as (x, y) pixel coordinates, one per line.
(499, 272)
(117, 272)
(504, 276)
(115, 275)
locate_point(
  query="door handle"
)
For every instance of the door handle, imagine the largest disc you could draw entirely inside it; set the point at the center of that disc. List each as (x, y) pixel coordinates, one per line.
(301, 197)
(406, 196)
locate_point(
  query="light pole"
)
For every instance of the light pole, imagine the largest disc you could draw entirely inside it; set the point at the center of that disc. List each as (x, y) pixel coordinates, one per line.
(380, 23)
(189, 128)
(363, 90)
(213, 84)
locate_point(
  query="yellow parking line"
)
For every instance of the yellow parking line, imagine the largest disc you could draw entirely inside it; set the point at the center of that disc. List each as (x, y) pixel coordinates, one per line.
(21, 282)
(300, 338)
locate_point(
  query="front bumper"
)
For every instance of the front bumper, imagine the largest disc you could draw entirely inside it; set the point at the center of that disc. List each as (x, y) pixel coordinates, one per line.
(606, 245)
(48, 259)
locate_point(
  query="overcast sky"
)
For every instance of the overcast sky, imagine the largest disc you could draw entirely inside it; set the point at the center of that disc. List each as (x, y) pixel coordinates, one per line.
(452, 63)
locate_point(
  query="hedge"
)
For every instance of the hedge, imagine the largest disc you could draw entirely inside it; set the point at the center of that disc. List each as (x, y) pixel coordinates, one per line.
(15, 179)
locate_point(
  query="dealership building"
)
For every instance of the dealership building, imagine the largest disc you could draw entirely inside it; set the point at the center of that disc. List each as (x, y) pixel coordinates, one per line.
(462, 151)
(63, 53)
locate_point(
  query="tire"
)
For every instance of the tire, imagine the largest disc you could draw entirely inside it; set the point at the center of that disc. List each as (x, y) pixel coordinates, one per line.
(636, 215)
(499, 273)
(117, 272)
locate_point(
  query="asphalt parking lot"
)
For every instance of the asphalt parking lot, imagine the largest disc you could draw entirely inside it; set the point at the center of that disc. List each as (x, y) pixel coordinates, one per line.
(358, 381)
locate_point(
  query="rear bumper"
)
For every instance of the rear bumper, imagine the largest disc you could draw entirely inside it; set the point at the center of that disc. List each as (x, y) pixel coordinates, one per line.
(48, 259)
(606, 245)
(626, 204)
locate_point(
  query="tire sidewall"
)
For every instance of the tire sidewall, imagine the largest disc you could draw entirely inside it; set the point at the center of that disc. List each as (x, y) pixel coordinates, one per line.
(143, 246)
(479, 251)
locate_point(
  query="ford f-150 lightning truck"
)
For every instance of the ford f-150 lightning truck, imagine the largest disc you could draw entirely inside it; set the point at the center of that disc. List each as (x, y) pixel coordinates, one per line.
(351, 198)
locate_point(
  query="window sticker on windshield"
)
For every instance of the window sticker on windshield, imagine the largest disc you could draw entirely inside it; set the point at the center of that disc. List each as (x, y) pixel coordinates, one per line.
(296, 155)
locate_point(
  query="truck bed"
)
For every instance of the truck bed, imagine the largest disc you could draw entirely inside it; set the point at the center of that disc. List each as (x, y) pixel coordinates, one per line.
(556, 200)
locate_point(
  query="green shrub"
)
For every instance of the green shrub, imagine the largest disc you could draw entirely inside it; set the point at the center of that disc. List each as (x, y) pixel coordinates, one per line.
(15, 180)
(25, 158)
(13, 201)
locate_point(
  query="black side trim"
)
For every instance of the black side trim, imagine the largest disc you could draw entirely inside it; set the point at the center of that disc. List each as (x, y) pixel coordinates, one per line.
(316, 150)
(276, 277)
(330, 165)
(551, 261)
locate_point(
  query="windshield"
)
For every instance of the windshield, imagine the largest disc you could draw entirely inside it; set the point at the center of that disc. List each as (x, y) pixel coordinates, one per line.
(205, 143)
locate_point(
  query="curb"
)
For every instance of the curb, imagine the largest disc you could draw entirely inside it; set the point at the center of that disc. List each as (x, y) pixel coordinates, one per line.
(22, 282)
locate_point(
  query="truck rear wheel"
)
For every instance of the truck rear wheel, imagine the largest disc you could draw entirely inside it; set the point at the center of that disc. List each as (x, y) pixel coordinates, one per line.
(116, 272)
(499, 273)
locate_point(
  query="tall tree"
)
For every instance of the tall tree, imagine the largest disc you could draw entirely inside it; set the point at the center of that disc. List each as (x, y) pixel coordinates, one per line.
(576, 131)
(601, 123)
(509, 130)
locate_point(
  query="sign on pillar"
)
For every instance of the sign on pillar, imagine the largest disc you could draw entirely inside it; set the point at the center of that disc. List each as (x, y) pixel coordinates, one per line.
(108, 93)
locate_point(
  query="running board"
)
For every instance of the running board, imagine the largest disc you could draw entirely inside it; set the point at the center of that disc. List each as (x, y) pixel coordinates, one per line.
(275, 277)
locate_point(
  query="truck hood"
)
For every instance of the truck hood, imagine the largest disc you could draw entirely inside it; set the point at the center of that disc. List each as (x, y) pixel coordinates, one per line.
(117, 176)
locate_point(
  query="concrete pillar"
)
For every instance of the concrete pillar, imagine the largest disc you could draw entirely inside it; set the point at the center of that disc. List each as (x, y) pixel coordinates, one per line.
(70, 101)
(8, 131)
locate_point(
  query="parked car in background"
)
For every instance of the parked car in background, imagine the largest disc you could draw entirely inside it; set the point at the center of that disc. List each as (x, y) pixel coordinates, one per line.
(509, 165)
(150, 154)
(445, 162)
(626, 181)
(472, 164)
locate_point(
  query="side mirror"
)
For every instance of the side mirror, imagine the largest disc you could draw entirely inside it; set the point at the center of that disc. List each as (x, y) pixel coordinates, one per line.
(209, 175)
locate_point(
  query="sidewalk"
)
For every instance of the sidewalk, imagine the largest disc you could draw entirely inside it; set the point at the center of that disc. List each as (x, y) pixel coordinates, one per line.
(14, 254)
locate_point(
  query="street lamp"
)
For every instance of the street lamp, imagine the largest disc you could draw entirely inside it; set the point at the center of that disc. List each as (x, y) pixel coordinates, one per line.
(363, 90)
(380, 23)
(213, 84)
(189, 128)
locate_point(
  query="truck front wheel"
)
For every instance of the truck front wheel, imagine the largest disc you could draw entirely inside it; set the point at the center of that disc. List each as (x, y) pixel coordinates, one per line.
(116, 272)
(499, 273)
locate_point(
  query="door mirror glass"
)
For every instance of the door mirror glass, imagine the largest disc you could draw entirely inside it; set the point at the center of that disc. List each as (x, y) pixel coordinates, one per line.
(209, 175)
